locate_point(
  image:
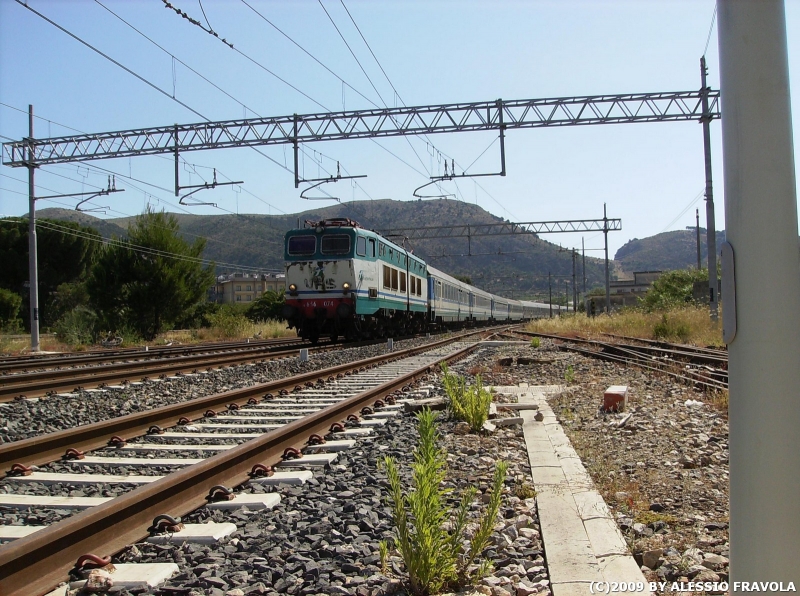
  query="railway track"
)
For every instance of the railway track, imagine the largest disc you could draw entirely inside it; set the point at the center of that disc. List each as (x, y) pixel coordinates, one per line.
(277, 420)
(701, 367)
(44, 382)
(10, 365)
(10, 368)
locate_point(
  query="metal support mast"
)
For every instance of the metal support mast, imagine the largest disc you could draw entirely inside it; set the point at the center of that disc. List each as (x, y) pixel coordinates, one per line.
(362, 124)
(33, 269)
(711, 234)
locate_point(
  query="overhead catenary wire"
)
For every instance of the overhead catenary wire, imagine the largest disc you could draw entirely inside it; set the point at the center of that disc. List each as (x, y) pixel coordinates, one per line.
(394, 89)
(137, 248)
(141, 78)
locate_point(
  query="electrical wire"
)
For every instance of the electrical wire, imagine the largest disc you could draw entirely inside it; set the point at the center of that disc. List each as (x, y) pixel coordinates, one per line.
(711, 28)
(685, 209)
(141, 78)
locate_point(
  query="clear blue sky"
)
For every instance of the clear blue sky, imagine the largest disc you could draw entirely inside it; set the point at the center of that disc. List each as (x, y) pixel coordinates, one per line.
(433, 52)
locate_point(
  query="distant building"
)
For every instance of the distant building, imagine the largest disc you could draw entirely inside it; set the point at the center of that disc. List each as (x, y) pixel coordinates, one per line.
(625, 292)
(243, 288)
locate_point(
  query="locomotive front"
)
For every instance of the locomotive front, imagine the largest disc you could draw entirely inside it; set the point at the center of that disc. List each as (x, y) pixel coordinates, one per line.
(320, 279)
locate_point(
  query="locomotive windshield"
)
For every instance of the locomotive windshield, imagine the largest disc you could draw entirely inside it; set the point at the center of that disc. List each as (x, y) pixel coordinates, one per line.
(302, 245)
(336, 244)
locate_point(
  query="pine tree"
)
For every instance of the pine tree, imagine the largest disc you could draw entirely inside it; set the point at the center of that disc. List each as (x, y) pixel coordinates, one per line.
(149, 280)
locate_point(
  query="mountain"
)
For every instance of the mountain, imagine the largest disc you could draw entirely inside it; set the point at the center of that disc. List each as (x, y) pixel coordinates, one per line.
(510, 265)
(668, 250)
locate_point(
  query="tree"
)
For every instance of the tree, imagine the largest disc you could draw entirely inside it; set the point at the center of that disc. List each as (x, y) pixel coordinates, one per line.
(673, 288)
(9, 310)
(464, 278)
(151, 279)
(268, 306)
(66, 251)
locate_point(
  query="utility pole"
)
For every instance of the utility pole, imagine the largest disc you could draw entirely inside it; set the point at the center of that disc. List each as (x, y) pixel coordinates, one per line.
(608, 282)
(711, 238)
(697, 226)
(574, 282)
(760, 252)
(33, 275)
(583, 250)
(566, 296)
(550, 287)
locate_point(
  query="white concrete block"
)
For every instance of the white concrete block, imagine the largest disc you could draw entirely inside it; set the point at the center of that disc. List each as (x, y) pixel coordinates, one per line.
(210, 533)
(312, 460)
(15, 532)
(293, 477)
(25, 501)
(330, 446)
(251, 501)
(56, 478)
(91, 460)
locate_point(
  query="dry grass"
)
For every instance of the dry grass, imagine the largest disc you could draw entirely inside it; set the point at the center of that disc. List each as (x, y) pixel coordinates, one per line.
(693, 322)
(20, 344)
(262, 329)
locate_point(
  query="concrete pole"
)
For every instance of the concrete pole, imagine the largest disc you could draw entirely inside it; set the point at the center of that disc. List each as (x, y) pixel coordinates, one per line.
(608, 282)
(697, 228)
(761, 227)
(33, 268)
(711, 234)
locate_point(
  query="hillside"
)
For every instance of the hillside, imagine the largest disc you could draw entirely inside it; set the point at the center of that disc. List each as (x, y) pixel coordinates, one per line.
(669, 250)
(498, 263)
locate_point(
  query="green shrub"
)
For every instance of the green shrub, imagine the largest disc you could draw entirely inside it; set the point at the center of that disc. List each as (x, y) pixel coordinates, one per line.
(228, 321)
(569, 374)
(469, 403)
(77, 326)
(536, 342)
(10, 303)
(435, 558)
(670, 329)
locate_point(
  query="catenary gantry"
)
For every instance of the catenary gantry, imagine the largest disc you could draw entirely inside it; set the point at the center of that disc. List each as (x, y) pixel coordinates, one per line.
(443, 118)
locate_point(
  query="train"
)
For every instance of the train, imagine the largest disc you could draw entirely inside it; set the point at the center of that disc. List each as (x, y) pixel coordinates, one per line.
(344, 281)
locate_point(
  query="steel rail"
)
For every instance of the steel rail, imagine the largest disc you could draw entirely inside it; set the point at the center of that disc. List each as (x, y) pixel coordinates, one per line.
(50, 447)
(686, 353)
(660, 343)
(36, 563)
(695, 379)
(27, 363)
(52, 381)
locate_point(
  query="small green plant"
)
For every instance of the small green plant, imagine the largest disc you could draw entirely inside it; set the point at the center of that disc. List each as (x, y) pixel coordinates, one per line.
(536, 342)
(524, 491)
(569, 374)
(434, 556)
(669, 329)
(383, 550)
(467, 402)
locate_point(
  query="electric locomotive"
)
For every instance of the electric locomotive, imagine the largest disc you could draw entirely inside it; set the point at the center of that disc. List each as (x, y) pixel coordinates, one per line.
(345, 281)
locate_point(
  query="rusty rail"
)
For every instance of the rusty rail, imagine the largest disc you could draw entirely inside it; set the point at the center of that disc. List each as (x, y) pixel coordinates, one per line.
(36, 563)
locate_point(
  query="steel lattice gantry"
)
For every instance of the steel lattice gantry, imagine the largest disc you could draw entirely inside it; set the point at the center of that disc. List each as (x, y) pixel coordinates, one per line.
(295, 129)
(491, 229)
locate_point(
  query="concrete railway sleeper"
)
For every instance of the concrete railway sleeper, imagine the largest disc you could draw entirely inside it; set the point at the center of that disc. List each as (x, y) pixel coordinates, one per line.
(19, 364)
(52, 381)
(285, 431)
(50, 447)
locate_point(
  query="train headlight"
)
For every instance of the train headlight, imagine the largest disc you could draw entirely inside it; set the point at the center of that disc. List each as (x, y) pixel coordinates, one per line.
(345, 286)
(292, 288)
